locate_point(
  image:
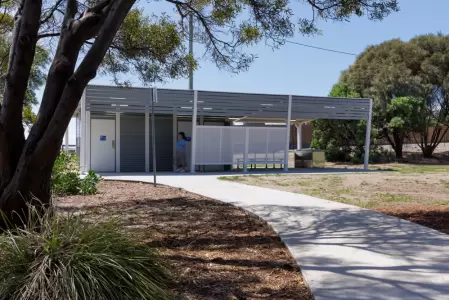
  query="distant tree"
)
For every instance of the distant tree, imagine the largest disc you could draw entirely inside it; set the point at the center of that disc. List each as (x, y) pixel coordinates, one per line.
(342, 140)
(405, 115)
(418, 69)
(116, 37)
(435, 80)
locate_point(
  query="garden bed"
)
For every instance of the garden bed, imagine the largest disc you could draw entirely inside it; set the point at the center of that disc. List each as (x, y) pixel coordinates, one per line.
(216, 250)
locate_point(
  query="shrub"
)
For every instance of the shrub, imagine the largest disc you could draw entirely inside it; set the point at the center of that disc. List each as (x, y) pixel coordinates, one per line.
(67, 183)
(89, 184)
(336, 154)
(66, 258)
(66, 179)
(65, 162)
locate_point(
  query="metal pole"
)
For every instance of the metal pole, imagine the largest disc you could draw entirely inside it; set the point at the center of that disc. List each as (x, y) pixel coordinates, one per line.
(83, 134)
(299, 136)
(153, 134)
(191, 50)
(245, 154)
(368, 135)
(117, 142)
(66, 142)
(287, 142)
(147, 140)
(193, 141)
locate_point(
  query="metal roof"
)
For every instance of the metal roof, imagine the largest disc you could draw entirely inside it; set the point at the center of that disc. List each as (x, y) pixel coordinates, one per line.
(223, 104)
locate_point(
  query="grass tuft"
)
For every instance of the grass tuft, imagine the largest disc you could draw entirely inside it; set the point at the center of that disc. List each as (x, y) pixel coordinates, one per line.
(387, 197)
(231, 178)
(66, 258)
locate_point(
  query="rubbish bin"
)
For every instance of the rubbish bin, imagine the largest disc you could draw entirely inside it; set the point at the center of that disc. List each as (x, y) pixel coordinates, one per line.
(309, 158)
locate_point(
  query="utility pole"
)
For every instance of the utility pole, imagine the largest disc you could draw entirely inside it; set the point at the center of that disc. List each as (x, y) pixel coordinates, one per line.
(191, 50)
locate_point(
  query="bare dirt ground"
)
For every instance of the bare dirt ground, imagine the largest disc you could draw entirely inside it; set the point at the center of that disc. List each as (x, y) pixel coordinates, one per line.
(418, 193)
(216, 250)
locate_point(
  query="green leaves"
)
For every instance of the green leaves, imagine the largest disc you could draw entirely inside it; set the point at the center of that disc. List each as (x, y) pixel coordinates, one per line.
(65, 178)
(342, 10)
(342, 140)
(409, 82)
(152, 47)
(406, 113)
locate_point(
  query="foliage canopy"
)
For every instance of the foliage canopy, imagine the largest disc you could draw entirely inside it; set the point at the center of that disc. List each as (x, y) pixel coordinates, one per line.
(409, 83)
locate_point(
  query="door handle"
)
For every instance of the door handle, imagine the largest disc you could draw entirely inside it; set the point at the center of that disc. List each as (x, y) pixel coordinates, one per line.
(113, 144)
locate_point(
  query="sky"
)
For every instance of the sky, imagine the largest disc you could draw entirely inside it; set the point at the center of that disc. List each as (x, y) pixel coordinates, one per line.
(299, 70)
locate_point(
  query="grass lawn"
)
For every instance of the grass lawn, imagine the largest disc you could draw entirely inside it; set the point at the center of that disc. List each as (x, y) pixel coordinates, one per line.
(419, 193)
(216, 250)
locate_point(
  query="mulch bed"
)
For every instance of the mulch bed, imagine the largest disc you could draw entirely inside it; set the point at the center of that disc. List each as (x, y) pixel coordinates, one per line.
(216, 250)
(430, 216)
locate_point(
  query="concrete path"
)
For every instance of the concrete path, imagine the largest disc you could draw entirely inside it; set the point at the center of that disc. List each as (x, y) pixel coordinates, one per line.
(344, 252)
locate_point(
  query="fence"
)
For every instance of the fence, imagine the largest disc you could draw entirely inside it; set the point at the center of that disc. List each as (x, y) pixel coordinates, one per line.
(230, 145)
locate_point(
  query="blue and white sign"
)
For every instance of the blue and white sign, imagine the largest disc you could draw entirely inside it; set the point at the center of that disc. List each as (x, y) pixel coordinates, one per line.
(102, 138)
(188, 139)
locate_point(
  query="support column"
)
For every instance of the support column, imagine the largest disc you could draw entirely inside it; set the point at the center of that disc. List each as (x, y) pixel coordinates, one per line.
(117, 142)
(153, 135)
(175, 138)
(245, 154)
(87, 166)
(66, 139)
(83, 133)
(193, 141)
(287, 138)
(368, 135)
(299, 136)
(147, 142)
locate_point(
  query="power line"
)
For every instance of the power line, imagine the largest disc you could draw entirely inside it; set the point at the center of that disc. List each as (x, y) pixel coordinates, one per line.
(319, 48)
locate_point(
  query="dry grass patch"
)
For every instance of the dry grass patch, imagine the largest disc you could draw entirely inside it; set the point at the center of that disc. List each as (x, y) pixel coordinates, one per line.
(217, 251)
(418, 193)
(368, 190)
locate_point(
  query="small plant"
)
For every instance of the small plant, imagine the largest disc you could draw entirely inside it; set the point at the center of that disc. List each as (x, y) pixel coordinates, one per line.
(66, 258)
(66, 179)
(89, 184)
(67, 183)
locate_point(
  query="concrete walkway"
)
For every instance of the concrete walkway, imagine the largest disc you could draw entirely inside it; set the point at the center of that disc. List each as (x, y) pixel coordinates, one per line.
(344, 252)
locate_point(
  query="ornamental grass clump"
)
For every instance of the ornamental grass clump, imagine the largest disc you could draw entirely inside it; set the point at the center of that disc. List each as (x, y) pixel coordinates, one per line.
(62, 257)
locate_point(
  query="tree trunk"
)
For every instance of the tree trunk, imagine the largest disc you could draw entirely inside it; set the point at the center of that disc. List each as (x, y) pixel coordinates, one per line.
(398, 145)
(30, 182)
(427, 151)
(33, 190)
(19, 67)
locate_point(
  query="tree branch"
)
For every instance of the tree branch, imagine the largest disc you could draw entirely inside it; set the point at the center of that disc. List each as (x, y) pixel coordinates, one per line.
(72, 37)
(213, 39)
(47, 35)
(71, 10)
(52, 11)
(78, 81)
(99, 7)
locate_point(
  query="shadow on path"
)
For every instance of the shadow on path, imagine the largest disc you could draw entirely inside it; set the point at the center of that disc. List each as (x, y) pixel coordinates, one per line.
(406, 261)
